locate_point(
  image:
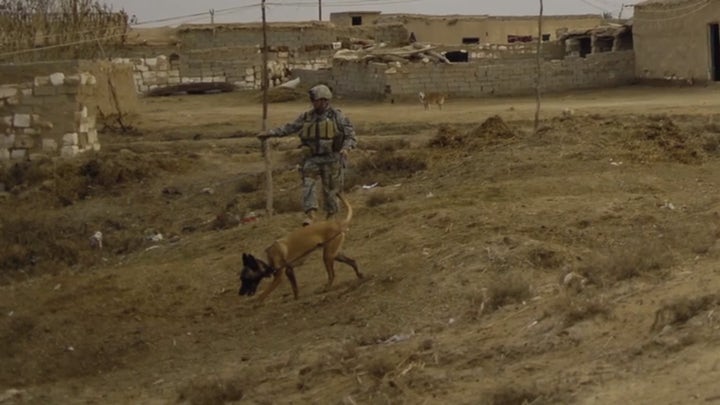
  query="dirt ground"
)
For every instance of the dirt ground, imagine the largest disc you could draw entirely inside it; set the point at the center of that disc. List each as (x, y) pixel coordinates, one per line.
(580, 265)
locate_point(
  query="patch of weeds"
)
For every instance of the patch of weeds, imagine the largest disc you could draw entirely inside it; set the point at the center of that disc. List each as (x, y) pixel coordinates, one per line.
(545, 258)
(249, 184)
(380, 198)
(577, 309)
(386, 145)
(514, 394)
(682, 310)
(643, 258)
(211, 392)
(448, 137)
(384, 167)
(506, 289)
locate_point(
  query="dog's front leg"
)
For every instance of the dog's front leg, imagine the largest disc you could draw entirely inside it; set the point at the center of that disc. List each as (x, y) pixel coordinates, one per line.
(290, 273)
(277, 278)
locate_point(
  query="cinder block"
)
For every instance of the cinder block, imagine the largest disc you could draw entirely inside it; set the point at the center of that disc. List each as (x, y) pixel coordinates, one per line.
(21, 120)
(57, 79)
(43, 91)
(70, 139)
(18, 154)
(8, 91)
(69, 151)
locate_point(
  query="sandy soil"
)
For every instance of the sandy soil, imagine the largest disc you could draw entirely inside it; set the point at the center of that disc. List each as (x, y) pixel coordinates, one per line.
(578, 265)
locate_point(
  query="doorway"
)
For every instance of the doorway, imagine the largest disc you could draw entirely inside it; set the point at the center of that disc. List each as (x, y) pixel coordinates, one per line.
(715, 51)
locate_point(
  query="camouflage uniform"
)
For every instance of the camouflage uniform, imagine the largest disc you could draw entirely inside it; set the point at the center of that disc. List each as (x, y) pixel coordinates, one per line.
(324, 135)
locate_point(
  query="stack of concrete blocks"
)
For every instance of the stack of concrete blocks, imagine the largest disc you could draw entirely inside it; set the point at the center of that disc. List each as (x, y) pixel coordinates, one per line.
(151, 73)
(47, 117)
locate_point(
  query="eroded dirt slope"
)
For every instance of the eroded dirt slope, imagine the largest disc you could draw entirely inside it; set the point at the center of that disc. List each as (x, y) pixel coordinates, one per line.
(575, 266)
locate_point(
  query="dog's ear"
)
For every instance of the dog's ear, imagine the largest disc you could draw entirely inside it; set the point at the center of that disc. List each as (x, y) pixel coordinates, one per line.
(250, 261)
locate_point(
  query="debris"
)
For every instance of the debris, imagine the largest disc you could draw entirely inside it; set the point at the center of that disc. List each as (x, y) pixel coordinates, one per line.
(96, 240)
(291, 84)
(398, 338)
(574, 281)
(11, 394)
(668, 205)
(370, 186)
(250, 217)
(208, 190)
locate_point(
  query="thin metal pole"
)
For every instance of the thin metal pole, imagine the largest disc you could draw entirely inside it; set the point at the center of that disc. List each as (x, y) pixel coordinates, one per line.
(319, 10)
(265, 146)
(539, 69)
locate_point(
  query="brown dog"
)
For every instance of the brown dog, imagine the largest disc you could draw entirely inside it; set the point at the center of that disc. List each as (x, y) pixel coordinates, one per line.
(287, 252)
(432, 98)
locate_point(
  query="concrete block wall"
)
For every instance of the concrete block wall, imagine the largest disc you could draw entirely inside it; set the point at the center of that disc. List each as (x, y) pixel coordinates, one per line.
(482, 78)
(550, 50)
(293, 36)
(48, 117)
(239, 66)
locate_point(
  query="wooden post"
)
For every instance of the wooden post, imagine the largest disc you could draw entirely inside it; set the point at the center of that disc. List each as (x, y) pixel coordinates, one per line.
(539, 69)
(265, 146)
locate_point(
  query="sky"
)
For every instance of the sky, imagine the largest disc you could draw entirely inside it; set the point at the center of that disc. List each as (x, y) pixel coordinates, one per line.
(174, 12)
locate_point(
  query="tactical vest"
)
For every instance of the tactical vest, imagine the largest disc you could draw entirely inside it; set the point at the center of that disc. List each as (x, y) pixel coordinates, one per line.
(321, 136)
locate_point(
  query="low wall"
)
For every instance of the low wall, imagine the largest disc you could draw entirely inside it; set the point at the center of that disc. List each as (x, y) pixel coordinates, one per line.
(51, 109)
(482, 78)
(47, 116)
(241, 66)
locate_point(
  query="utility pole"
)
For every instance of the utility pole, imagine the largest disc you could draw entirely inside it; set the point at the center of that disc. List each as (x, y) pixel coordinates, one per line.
(539, 69)
(319, 10)
(212, 16)
(265, 146)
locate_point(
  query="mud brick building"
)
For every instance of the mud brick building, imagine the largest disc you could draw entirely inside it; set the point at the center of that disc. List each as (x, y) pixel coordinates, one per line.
(677, 40)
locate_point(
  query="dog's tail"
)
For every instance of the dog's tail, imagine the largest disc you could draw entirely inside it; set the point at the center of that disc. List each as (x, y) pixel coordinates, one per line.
(348, 209)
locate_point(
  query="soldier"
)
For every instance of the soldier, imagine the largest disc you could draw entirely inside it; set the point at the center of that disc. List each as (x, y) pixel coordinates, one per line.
(328, 136)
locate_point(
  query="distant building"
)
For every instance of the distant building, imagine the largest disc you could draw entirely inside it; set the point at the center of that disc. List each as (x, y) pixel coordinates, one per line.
(473, 29)
(677, 40)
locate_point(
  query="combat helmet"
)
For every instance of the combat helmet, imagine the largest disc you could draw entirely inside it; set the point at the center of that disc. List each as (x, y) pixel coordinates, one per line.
(320, 91)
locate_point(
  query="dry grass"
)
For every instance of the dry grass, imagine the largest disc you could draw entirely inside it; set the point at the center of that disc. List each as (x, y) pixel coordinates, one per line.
(575, 309)
(382, 197)
(682, 310)
(211, 392)
(506, 289)
(631, 260)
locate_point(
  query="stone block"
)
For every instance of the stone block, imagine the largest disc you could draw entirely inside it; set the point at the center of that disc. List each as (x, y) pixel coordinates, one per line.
(92, 136)
(96, 147)
(21, 120)
(57, 79)
(7, 141)
(141, 68)
(8, 91)
(31, 131)
(69, 151)
(49, 145)
(41, 81)
(43, 91)
(24, 142)
(4, 154)
(18, 154)
(70, 139)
